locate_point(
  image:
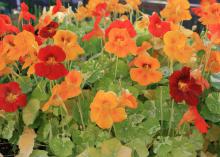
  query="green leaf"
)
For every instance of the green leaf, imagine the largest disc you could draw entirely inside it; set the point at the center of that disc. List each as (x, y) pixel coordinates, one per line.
(61, 147)
(215, 80)
(215, 118)
(30, 112)
(40, 92)
(90, 152)
(139, 145)
(8, 126)
(39, 153)
(25, 84)
(110, 148)
(93, 46)
(213, 103)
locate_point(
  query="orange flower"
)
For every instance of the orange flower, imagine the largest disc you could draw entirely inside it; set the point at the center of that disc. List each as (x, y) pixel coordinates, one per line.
(143, 23)
(214, 62)
(116, 7)
(176, 48)
(176, 11)
(68, 41)
(128, 100)
(82, 13)
(21, 44)
(134, 3)
(211, 14)
(67, 89)
(144, 47)
(145, 72)
(200, 80)
(120, 43)
(105, 110)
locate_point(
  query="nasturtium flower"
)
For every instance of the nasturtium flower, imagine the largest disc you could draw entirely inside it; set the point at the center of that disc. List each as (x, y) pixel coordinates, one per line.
(183, 87)
(11, 97)
(57, 7)
(213, 64)
(157, 27)
(120, 43)
(105, 110)
(25, 14)
(121, 24)
(6, 25)
(214, 33)
(50, 63)
(145, 71)
(193, 116)
(211, 14)
(128, 100)
(176, 11)
(176, 46)
(200, 80)
(143, 23)
(68, 41)
(49, 31)
(69, 88)
(133, 3)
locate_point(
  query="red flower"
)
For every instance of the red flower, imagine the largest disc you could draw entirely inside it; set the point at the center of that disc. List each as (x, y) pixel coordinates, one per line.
(6, 25)
(50, 65)
(57, 7)
(101, 10)
(96, 32)
(184, 87)
(192, 115)
(157, 27)
(28, 27)
(49, 31)
(25, 14)
(11, 97)
(121, 24)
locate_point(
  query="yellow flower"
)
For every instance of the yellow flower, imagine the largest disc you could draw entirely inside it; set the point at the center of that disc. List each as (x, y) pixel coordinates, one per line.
(134, 3)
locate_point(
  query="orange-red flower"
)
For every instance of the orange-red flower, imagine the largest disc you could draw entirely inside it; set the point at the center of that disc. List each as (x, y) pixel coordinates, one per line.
(214, 33)
(50, 65)
(176, 46)
(67, 89)
(200, 80)
(213, 64)
(146, 70)
(157, 27)
(25, 14)
(193, 116)
(6, 25)
(120, 43)
(128, 100)
(68, 41)
(105, 110)
(121, 24)
(11, 97)
(176, 11)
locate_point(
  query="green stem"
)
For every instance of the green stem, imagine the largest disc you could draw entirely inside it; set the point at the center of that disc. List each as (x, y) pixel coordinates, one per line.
(161, 109)
(171, 117)
(116, 67)
(81, 115)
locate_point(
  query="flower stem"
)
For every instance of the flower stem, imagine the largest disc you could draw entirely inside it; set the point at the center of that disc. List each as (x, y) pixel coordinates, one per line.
(171, 117)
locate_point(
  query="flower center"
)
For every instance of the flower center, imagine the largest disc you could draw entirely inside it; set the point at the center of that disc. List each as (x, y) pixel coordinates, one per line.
(51, 61)
(146, 66)
(120, 40)
(158, 25)
(182, 86)
(11, 97)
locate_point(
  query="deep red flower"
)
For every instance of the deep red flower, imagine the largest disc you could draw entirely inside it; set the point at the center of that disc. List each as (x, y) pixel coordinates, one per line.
(25, 14)
(49, 31)
(57, 7)
(192, 115)
(101, 10)
(157, 27)
(121, 24)
(6, 25)
(50, 65)
(11, 97)
(184, 87)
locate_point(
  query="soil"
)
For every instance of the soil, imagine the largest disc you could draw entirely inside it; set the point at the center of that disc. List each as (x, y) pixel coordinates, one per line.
(6, 149)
